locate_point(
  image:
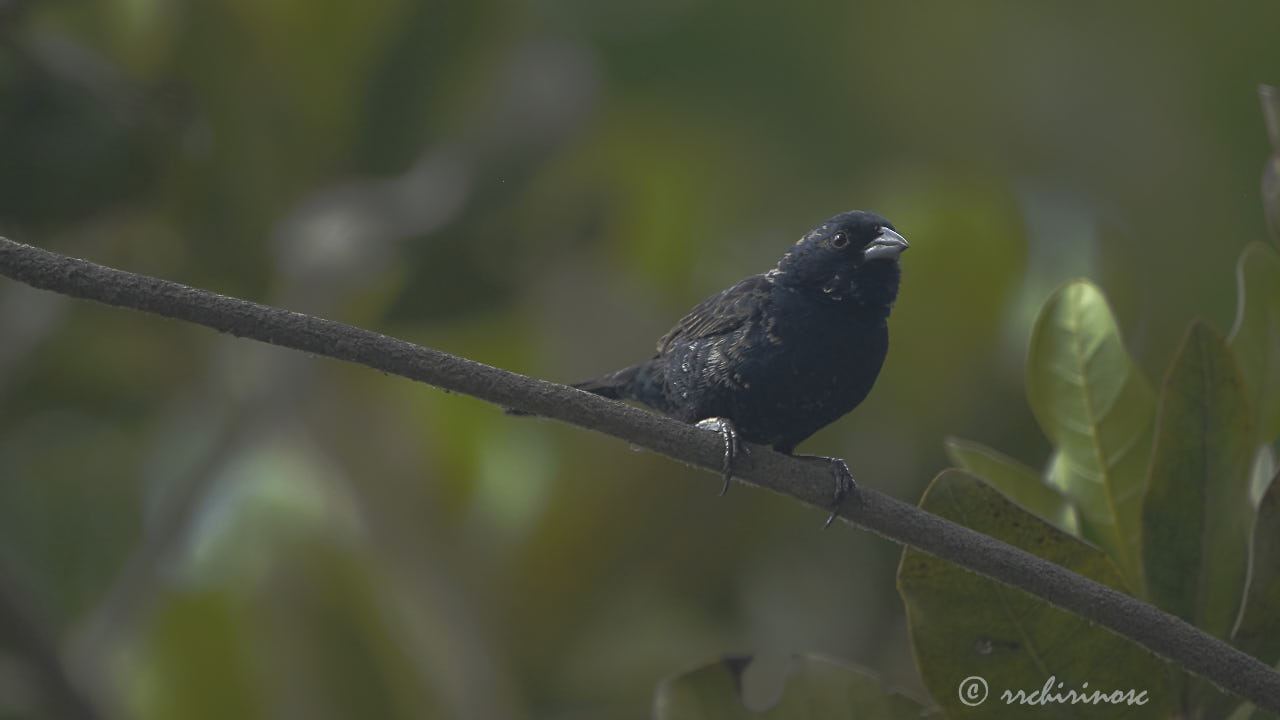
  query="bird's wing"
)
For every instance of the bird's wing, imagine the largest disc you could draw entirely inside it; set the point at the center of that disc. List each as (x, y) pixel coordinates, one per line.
(720, 313)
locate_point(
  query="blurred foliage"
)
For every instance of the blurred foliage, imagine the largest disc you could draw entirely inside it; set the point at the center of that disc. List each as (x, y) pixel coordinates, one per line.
(1259, 630)
(815, 687)
(546, 187)
(965, 625)
(1178, 494)
(1255, 339)
(1270, 97)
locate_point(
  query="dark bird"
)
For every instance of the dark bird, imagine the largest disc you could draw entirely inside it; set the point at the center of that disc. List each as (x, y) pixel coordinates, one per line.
(779, 355)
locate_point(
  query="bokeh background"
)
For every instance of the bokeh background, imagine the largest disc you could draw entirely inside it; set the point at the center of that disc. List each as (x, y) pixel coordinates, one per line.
(212, 528)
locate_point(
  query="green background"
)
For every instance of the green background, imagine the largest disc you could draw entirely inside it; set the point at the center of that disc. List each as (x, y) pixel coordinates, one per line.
(215, 528)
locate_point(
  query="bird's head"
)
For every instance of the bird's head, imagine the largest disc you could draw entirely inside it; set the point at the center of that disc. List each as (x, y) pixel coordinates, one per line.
(851, 257)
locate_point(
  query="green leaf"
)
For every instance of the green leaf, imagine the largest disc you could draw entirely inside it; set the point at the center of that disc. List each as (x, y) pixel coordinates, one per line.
(965, 625)
(1098, 411)
(1197, 516)
(1255, 338)
(1258, 632)
(817, 688)
(1015, 481)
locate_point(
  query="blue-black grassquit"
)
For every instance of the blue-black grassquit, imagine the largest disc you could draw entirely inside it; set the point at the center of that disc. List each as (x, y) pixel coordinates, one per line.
(779, 355)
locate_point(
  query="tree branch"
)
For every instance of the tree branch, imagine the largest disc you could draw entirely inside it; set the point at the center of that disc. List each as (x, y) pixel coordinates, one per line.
(809, 483)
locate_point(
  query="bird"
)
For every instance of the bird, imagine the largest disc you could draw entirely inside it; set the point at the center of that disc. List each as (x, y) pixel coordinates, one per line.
(779, 355)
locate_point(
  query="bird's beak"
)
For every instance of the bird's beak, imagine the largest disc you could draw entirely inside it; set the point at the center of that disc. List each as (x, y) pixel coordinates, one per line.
(888, 245)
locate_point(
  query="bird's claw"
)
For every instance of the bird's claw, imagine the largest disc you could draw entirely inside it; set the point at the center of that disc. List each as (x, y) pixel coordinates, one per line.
(845, 486)
(844, 482)
(732, 446)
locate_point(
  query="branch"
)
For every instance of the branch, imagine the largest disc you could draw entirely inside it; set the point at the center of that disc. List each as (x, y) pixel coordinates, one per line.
(1158, 631)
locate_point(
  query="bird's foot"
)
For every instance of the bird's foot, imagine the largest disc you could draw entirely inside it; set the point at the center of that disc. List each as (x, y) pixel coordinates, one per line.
(845, 485)
(732, 446)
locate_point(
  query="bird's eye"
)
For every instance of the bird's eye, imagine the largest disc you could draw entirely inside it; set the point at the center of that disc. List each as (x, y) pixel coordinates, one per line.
(839, 240)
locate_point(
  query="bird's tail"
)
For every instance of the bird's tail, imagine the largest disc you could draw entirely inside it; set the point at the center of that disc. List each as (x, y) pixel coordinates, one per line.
(615, 385)
(644, 383)
(632, 383)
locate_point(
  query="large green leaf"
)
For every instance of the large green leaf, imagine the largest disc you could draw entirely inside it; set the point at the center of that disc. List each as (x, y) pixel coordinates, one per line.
(1015, 481)
(963, 625)
(1098, 410)
(1197, 515)
(1258, 632)
(1255, 338)
(816, 688)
